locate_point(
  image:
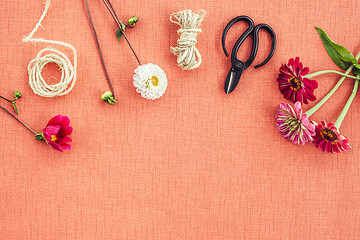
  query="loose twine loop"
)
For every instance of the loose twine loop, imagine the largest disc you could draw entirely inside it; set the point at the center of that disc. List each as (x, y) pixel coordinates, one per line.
(51, 55)
(188, 57)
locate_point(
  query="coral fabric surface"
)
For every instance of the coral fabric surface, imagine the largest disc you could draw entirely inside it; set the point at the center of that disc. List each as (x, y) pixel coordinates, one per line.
(193, 164)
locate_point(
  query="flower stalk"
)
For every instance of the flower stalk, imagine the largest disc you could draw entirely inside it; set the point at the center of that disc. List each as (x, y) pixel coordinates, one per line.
(329, 71)
(19, 120)
(7, 99)
(319, 104)
(115, 17)
(347, 105)
(100, 52)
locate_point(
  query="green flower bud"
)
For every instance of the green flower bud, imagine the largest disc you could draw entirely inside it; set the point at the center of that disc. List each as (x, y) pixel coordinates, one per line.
(108, 97)
(17, 95)
(133, 20)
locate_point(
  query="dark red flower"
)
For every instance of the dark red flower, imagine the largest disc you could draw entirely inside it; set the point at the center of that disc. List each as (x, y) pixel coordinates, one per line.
(292, 83)
(328, 139)
(57, 131)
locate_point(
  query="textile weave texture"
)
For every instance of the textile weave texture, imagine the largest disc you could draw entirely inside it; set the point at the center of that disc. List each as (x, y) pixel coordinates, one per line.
(194, 164)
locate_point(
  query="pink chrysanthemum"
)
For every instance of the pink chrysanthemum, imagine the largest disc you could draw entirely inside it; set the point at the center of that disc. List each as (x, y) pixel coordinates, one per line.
(293, 124)
(57, 131)
(328, 139)
(293, 85)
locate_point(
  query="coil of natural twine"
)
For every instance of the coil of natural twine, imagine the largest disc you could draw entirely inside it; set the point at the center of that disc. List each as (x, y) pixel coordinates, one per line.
(188, 57)
(51, 55)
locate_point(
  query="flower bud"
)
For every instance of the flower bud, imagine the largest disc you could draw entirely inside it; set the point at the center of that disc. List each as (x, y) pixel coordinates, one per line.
(133, 20)
(108, 97)
(17, 95)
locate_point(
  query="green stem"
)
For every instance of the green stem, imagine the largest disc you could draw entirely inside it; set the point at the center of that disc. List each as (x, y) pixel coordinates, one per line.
(328, 71)
(319, 104)
(18, 119)
(347, 105)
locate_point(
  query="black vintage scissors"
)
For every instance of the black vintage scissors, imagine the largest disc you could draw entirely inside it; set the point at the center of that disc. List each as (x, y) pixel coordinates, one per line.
(239, 66)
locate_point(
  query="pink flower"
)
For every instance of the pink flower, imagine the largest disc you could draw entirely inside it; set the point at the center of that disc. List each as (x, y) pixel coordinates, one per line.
(57, 131)
(293, 85)
(293, 124)
(328, 139)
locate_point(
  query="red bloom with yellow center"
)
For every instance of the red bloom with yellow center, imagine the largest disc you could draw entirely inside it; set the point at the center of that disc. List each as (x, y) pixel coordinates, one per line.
(57, 131)
(292, 83)
(328, 139)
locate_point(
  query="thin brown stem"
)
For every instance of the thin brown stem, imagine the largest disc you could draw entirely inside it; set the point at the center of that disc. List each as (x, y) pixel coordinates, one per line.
(115, 17)
(10, 101)
(18, 119)
(99, 49)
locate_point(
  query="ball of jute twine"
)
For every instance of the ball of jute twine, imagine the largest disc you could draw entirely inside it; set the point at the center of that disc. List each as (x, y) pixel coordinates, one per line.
(51, 55)
(188, 57)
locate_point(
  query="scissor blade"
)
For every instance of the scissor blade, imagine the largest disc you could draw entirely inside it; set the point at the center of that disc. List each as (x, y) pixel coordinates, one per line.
(232, 80)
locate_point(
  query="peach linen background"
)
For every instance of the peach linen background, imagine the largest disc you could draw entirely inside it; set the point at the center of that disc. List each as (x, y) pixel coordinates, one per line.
(194, 164)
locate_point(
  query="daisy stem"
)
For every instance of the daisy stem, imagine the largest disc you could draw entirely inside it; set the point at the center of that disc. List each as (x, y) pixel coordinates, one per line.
(99, 49)
(18, 119)
(319, 104)
(113, 14)
(347, 105)
(328, 71)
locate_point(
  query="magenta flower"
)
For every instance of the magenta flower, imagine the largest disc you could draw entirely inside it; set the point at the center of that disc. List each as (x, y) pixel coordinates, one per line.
(292, 83)
(293, 124)
(328, 139)
(57, 131)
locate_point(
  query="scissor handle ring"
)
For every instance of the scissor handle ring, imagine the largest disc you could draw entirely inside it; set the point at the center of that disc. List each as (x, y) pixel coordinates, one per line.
(228, 26)
(273, 41)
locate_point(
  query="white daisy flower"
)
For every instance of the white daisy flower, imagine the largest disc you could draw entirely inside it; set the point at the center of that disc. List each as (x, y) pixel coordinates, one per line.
(150, 80)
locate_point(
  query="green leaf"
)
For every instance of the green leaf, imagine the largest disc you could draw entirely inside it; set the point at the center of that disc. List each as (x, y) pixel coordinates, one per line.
(119, 32)
(339, 54)
(16, 109)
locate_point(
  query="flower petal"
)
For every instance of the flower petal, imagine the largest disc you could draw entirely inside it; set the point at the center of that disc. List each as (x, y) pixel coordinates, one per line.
(293, 124)
(55, 120)
(63, 140)
(59, 120)
(56, 146)
(328, 139)
(64, 131)
(66, 146)
(47, 135)
(65, 121)
(53, 129)
(143, 81)
(304, 71)
(292, 84)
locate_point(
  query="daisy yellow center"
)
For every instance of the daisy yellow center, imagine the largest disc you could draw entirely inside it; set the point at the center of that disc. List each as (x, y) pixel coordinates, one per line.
(154, 80)
(53, 138)
(295, 83)
(329, 135)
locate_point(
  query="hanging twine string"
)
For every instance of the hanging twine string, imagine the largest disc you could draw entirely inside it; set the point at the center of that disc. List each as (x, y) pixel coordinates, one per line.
(51, 55)
(188, 57)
